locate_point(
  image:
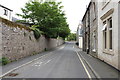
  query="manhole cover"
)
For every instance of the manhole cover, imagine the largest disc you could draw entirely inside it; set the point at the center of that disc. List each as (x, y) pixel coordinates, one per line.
(12, 74)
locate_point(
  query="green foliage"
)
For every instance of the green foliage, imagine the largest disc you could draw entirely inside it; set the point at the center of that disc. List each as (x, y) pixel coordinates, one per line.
(71, 37)
(48, 16)
(64, 32)
(4, 61)
(37, 32)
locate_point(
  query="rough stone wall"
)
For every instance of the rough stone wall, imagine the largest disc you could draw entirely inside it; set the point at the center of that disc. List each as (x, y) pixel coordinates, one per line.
(84, 34)
(93, 28)
(17, 43)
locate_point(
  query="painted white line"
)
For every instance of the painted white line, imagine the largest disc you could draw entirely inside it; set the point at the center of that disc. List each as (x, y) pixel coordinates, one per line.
(84, 66)
(21, 66)
(91, 68)
(37, 64)
(48, 61)
(25, 64)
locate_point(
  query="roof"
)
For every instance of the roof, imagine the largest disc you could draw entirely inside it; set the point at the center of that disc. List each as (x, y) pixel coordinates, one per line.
(86, 11)
(5, 7)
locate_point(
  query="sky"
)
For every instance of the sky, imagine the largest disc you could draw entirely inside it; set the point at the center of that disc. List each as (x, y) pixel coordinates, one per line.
(74, 10)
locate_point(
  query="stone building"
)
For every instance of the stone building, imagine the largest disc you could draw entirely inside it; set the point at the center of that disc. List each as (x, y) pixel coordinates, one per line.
(90, 24)
(101, 31)
(93, 28)
(5, 12)
(86, 30)
(109, 32)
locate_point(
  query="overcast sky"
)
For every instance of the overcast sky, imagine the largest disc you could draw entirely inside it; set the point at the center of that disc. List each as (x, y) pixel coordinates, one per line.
(74, 9)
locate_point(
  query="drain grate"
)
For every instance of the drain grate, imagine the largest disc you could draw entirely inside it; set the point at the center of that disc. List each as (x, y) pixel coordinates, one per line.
(12, 74)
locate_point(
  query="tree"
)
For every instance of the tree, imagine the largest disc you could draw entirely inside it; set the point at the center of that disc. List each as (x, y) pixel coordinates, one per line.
(71, 37)
(47, 16)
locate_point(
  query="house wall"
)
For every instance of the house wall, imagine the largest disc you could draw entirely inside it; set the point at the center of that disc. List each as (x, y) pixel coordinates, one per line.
(81, 42)
(80, 35)
(84, 34)
(109, 57)
(119, 35)
(93, 28)
(9, 16)
(18, 43)
(77, 34)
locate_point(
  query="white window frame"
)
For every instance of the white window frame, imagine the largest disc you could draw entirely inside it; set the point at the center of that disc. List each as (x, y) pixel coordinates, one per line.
(105, 27)
(107, 49)
(110, 29)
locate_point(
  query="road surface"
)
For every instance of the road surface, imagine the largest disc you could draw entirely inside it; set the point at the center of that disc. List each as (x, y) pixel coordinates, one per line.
(64, 62)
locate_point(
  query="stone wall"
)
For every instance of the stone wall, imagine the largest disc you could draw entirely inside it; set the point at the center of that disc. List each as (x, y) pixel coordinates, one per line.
(94, 28)
(17, 43)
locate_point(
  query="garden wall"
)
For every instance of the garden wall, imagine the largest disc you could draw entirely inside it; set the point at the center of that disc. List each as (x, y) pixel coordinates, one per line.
(17, 41)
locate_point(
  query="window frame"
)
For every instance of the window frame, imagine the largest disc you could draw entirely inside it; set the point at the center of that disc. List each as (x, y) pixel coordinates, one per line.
(105, 38)
(94, 11)
(107, 49)
(110, 29)
(94, 41)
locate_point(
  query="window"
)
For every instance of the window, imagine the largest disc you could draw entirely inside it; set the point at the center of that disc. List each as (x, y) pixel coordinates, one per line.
(94, 11)
(107, 34)
(94, 41)
(110, 33)
(5, 12)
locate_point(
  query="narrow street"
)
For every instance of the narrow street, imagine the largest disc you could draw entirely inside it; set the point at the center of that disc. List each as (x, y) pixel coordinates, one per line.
(64, 62)
(60, 39)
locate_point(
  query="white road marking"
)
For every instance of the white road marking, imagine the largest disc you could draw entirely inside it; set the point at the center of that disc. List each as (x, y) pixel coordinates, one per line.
(25, 64)
(84, 66)
(91, 67)
(37, 64)
(48, 61)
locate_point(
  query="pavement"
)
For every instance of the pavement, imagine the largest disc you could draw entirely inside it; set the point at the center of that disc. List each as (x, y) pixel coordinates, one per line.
(100, 68)
(66, 61)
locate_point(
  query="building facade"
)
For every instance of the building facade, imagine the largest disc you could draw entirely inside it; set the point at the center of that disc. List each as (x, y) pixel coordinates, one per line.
(94, 28)
(5, 12)
(108, 32)
(90, 24)
(101, 31)
(80, 35)
(86, 30)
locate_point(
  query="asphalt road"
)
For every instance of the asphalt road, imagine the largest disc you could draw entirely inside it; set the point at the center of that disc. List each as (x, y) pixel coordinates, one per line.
(60, 63)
